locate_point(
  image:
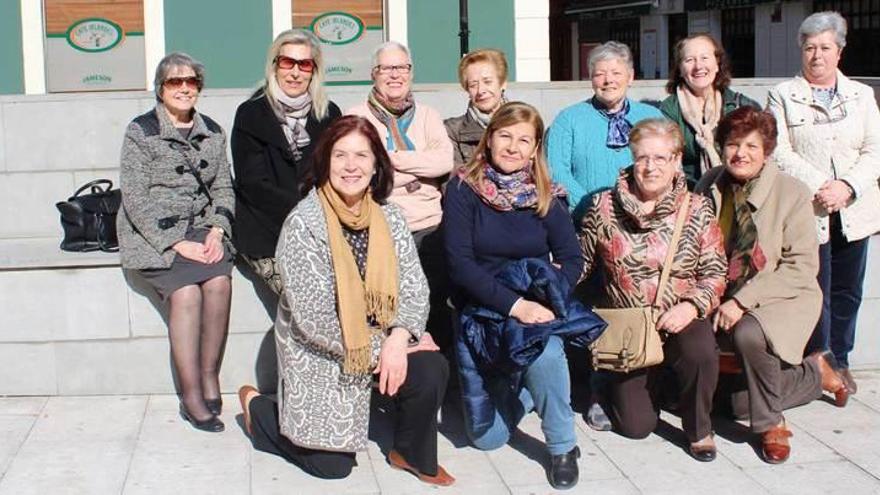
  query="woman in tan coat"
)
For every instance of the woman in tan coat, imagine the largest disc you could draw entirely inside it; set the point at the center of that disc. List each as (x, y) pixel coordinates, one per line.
(772, 299)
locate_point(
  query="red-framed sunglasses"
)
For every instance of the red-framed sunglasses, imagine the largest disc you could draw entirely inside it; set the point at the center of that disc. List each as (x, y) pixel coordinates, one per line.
(178, 82)
(287, 63)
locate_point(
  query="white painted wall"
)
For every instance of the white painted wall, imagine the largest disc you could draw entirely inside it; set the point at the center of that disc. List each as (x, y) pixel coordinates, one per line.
(33, 53)
(705, 21)
(532, 40)
(282, 16)
(396, 19)
(154, 37)
(776, 52)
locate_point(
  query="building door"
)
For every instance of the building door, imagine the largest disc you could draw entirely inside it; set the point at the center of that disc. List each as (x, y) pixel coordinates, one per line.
(627, 31)
(861, 56)
(738, 38)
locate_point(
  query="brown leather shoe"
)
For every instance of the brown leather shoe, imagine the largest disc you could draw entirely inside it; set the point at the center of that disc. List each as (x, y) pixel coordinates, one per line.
(849, 381)
(775, 444)
(245, 394)
(442, 478)
(832, 381)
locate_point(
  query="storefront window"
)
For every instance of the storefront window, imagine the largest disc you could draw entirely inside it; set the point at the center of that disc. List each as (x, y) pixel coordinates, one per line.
(348, 29)
(94, 46)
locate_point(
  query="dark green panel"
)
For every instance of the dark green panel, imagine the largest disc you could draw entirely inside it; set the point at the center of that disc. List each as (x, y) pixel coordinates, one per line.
(432, 28)
(12, 72)
(493, 26)
(229, 36)
(433, 34)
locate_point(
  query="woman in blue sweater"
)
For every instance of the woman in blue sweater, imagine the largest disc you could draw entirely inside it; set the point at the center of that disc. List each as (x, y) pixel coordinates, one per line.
(588, 143)
(502, 207)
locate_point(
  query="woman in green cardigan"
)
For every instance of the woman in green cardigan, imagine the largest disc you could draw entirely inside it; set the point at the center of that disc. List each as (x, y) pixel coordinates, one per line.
(699, 96)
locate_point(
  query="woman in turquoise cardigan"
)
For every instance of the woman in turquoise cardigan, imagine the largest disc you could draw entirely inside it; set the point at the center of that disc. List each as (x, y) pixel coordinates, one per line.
(588, 143)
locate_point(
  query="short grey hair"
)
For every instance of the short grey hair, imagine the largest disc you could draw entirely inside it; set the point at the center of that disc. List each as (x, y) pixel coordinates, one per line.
(389, 45)
(608, 51)
(820, 22)
(171, 61)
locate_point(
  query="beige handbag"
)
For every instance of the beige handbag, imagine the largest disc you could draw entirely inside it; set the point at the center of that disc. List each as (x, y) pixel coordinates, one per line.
(631, 340)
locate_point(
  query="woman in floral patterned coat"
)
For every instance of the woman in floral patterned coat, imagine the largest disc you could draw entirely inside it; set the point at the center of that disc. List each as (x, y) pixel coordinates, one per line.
(626, 234)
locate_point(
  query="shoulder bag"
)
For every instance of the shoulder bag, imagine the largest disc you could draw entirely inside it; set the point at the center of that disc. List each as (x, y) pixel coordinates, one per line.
(631, 340)
(89, 220)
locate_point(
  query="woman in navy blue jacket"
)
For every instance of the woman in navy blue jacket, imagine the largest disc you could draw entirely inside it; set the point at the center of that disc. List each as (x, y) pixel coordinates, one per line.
(502, 207)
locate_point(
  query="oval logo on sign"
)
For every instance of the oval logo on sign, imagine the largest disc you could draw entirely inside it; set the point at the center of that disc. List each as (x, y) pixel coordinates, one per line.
(94, 35)
(337, 28)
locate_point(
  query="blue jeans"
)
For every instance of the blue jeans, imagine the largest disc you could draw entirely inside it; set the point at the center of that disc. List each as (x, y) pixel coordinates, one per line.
(547, 389)
(841, 275)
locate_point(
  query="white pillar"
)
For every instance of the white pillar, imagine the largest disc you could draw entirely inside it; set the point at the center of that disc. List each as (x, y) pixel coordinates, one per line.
(532, 39)
(33, 39)
(282, 16)
(396, 19)
(154, 37)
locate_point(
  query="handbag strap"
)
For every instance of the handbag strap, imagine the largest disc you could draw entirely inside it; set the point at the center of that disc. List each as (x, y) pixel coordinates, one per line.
(673, 246)
(94, 186)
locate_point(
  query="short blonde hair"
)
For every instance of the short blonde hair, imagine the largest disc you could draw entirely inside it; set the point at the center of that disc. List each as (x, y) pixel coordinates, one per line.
(316, 85)
(512, 113)
(495, 57)
(657, 127)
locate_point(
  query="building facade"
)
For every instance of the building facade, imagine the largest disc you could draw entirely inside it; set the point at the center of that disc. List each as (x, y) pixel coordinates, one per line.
(760, 36)
(50, 46)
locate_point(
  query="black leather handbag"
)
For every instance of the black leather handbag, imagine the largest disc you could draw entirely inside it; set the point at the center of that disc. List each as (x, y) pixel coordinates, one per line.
(89, 220)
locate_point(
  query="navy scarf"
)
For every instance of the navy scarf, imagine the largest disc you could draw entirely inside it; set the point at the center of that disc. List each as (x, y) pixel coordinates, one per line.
(618, 126)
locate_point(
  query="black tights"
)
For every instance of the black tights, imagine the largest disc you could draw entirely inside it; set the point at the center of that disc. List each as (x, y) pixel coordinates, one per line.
(197, 327)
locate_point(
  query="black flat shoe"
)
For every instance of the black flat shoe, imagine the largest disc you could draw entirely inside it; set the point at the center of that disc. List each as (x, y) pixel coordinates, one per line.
(213, 425)
(703, 453)
(564, 469)
(214, 405)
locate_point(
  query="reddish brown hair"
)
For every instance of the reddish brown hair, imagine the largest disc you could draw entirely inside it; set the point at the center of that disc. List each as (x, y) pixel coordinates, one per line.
(743, 121)
(381, 183)
(722, 79)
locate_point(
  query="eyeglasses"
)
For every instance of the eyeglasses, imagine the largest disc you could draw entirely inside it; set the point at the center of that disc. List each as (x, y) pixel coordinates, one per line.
(659, 160)
(178, 82)
(388, 69)
(287, 63)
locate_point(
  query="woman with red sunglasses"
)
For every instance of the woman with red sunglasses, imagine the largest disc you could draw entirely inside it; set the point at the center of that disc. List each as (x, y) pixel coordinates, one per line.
(272, 144)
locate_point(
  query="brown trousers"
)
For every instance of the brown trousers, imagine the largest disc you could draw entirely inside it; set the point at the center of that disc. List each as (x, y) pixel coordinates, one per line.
(693, 355)
(771, 385)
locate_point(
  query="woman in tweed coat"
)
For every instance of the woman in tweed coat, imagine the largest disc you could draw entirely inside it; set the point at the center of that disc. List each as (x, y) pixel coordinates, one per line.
(353, 308)
(174, 228)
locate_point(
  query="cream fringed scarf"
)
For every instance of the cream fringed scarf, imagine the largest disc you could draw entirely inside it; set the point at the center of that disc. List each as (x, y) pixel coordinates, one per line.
(703, 119)
(374, 296)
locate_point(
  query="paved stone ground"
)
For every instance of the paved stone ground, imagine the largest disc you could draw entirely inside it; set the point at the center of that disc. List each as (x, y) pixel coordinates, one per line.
(138, 445)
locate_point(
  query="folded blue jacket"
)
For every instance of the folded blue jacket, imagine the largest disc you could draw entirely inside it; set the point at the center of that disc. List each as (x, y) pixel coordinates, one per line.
(490, 345)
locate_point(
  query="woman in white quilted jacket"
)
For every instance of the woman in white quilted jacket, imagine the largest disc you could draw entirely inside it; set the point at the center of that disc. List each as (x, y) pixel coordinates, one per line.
(829, 137)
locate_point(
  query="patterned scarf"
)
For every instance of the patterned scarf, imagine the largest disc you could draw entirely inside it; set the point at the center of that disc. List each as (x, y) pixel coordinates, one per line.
(506, 192)
(618, 126)
(703, 118)
(374, 296)
(396, 117)
(293, 114)
(481, 117)
(745, 256)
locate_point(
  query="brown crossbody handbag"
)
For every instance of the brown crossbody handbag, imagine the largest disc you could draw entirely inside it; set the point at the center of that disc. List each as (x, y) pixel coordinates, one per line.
(631, 340)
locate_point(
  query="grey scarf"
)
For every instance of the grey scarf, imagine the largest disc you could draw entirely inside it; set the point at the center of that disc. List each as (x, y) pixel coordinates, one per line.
(293, 114)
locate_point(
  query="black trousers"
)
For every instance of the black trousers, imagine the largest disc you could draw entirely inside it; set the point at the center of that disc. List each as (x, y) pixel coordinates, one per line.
(433, 259)
(693, 355)
(415, 428)
(842, 266)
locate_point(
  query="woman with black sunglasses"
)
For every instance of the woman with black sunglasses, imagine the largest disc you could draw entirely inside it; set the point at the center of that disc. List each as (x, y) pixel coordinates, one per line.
(175, 225)
(272, 143)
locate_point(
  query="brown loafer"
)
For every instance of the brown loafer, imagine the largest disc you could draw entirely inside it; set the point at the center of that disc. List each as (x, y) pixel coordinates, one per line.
(849, 381)
(775, 446)
(442, 478)
(244, 397)
(832, 381)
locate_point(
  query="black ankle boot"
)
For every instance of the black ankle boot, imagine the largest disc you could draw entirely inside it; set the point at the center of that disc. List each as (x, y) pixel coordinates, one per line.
(564, 469)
